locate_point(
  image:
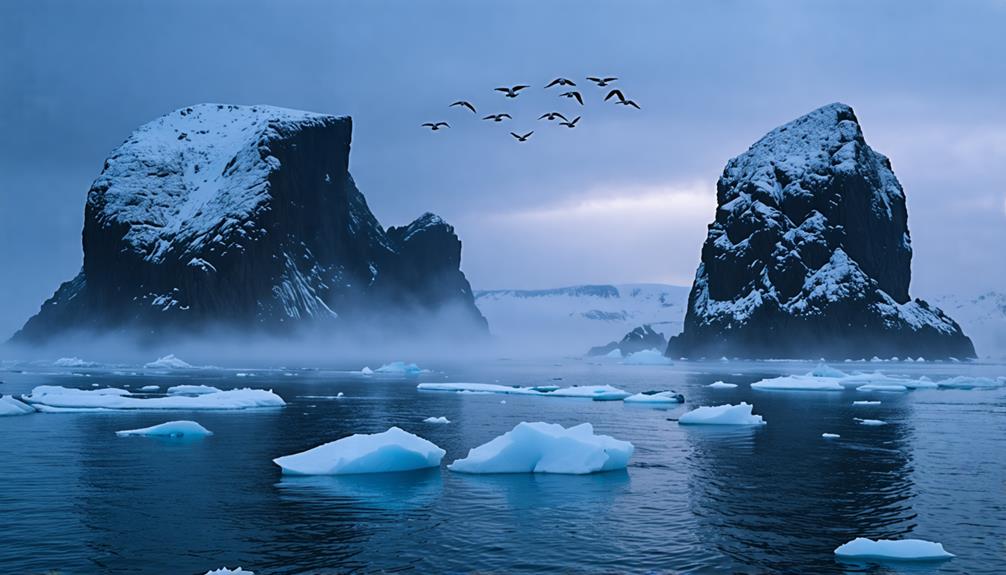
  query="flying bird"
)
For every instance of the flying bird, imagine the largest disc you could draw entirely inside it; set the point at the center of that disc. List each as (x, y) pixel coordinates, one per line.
(497, 117)
(551, 116)
(522, 138)
(512, 91)
(621, 99)
(464, 104)
(436, 126)
(602, 82)
(569, 124)
(574, 94)
(560, 82)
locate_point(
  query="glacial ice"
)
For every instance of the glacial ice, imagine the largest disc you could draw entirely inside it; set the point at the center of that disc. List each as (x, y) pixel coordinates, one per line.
(56, 398)
(181, 428)
(192, 390)
(964, 382)
(798, 383)
(596, 392)
(722, 385)
(9, 405)
(722, 415)
(169, 362)
(366, 371)
(440, 419)
(881, 387)
(73, 362)
(830, 435)
(656, 397)
(547, 448)
(150, 388)
(400, 368)
(866, 403)
(902, 549)
(226, 571)
(873, 422)
(647, 357)
(389, 451)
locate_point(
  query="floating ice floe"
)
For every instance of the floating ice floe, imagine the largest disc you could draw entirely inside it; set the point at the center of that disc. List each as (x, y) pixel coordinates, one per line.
(721, 385)
(547, 448)
(965, 382)
(73, 362)
(182, 428)
(440, 419)
(881, 387)
(192, 390)
(656, 397)
(150, 388)
(830, 435)
(825, 370)
(595, 392)
(226, 571)
(168, 362)
(866, 403)
(389, 451)
(400, 368)
(51, 398)
(901, 550)
(798, 383)
(873, 422)
(647, 357)
(366, 371)
(722, 415)
(11, 406)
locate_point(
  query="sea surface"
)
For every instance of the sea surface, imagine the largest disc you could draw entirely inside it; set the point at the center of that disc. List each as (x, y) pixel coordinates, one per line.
(77, 499)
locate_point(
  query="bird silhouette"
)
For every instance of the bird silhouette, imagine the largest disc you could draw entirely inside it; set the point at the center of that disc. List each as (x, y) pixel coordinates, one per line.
(621, 99)
(497, 117)
(464, 104)
(560, 82)
(573, 94)
(551, 116)
(512, 91)
(436, 126)
(602, 82)
(569, 124)
(522, 138)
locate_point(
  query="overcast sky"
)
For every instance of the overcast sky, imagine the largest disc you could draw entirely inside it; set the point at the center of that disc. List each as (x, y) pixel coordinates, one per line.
(623, 198)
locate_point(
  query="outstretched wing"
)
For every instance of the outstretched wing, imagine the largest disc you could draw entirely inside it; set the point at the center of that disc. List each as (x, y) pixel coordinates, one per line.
(443, 124)
(578, 97)
(593, 79)
(507, 90)
(515, 135)
(633, 104)
(527, 135)
(561, 116)
(615, 93)
(489, 117)
(520, 87)
(575, 120)
(554, 82)
(505, 116)
(543, 116)
(610, 79)
(427, 125)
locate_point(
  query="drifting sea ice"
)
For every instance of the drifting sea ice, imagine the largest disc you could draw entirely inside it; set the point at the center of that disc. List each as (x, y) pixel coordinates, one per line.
(595, 392)
(903, 549)
(400, 367)
(647, 357)
(11, 406)
(73, 362)
(226, 571)
(722, 415)
(873, 422)
(656, 397)
(722, 385)
(964, 382)
(366, 371)
(181, 428)
(798, 383)
(150, 388)
(830, 435)
(389, 451)
(866, 403)
(881, 387)
(170, 362)
(51, 398)
(440, 419)
(192, 390)
(547, 448)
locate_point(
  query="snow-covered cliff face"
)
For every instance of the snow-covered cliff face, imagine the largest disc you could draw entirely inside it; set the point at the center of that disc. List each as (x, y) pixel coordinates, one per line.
(245, 216)
(809, 254)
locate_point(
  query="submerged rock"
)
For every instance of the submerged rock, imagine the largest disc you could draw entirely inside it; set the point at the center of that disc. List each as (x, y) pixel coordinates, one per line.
(810, 256)
(247, 216)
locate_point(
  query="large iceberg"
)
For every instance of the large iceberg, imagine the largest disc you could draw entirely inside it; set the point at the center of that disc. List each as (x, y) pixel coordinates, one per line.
(399, 368)
(722, 415)
(73, 362)
(168, 362)
(547, 448)
(182, 428)
(56, 398)
(11, 406)
(902, 549)
(595, 392)
(647, 357)
(389, 451)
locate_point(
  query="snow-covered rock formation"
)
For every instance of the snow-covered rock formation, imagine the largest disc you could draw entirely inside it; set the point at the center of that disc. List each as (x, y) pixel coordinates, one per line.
(810, 255)
(641, 338)
(247, 216)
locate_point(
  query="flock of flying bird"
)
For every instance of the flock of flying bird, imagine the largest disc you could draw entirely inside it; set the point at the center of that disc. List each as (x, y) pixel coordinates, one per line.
(514, 91)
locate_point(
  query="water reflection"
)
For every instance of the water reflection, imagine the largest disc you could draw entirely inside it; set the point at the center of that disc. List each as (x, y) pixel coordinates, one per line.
(372, 491)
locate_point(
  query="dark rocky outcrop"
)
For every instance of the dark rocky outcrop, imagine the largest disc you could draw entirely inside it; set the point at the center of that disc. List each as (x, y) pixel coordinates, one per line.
(810, 255)
(247, 216)
(639, 339)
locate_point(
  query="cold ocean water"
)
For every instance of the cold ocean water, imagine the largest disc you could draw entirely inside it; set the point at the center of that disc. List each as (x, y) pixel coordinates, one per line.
(77, 499)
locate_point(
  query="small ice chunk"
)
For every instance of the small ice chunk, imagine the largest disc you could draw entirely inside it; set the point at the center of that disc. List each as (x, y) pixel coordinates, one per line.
(656, 397)
(400, 368)
(11, 406)
(170, 362)
(873, 422)
(830, 435)
(901, 549)
(881, 387)
(547, 448)
(825, 370)
(73, 362)
(440, 419)
(722, 385)
(226, 571)
(389, 451)
(181, 428)
(798, 383)
(150, 388)
(722, 415)
(647, 357)
(866, 403)
(192, 390)
(366, 371)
